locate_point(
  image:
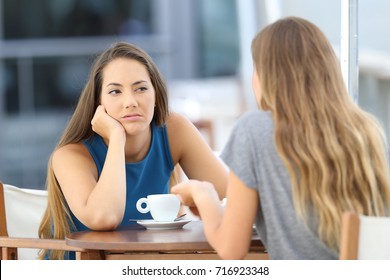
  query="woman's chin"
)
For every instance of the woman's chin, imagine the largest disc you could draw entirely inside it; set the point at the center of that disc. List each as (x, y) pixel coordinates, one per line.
(135, 129)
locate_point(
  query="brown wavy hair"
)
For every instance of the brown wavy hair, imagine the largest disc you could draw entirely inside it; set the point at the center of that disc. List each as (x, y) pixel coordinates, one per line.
(56, 222)
(335, 152)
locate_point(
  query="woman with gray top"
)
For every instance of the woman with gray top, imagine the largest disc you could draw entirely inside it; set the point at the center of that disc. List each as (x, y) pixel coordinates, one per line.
(298, 164)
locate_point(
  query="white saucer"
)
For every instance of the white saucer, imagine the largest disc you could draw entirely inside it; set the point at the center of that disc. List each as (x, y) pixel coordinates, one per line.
(152, 224)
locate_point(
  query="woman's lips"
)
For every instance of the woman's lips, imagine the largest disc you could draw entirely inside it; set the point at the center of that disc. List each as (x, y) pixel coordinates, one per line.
(131, 117)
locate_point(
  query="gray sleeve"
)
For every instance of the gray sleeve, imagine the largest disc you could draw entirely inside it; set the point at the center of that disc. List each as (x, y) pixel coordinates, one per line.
(238, 153)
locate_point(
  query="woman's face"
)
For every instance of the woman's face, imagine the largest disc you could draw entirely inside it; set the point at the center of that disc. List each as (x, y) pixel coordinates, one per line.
(128, 94)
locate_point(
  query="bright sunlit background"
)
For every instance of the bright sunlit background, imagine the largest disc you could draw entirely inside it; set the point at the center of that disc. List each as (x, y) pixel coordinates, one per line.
(201, 46)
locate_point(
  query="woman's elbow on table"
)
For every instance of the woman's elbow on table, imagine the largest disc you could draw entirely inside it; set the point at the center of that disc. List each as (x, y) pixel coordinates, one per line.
(105, 222)
(231, 253)
(229, 249)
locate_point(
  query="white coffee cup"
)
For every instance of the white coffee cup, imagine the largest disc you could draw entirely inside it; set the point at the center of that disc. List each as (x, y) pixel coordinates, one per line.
(162, 207)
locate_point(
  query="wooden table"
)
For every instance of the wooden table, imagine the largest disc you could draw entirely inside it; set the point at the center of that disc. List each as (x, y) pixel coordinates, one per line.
(135, 242)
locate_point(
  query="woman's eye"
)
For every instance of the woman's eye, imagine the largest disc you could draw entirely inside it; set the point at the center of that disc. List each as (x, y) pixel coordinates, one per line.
(114, 92)
(141, 89)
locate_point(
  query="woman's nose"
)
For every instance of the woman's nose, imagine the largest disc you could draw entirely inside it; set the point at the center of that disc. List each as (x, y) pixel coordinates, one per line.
(130, 100)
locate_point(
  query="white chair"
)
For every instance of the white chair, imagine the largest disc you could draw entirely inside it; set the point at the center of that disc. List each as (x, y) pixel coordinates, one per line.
(364, 237)
(24, 211)
(21, 211)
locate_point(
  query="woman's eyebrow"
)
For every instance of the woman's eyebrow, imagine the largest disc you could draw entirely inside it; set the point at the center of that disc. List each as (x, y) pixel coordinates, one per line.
(133, 84)
(114, 84)
(139, 82)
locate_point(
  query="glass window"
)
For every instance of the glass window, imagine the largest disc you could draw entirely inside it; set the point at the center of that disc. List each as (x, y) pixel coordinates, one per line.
(58, 82)
(219, 40)
(58, 18)
(10, 86)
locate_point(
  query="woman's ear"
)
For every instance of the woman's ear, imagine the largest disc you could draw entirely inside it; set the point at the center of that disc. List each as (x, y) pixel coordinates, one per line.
(264, 105)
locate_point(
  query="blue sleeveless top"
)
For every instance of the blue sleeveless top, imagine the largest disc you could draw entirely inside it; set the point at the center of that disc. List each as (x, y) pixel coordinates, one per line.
(148, 176)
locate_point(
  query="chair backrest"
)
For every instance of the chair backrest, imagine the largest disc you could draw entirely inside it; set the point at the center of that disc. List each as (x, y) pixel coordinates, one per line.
(365, 237)
(21, 212)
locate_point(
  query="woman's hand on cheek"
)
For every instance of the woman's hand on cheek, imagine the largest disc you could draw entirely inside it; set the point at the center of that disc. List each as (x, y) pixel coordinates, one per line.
(104, 125)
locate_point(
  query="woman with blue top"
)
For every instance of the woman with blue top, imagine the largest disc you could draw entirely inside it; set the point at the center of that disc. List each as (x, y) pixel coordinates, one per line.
(121, 144)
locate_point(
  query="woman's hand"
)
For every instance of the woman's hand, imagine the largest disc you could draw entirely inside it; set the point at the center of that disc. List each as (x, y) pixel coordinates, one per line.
(104, 125)
(184, 191)
(190, 192)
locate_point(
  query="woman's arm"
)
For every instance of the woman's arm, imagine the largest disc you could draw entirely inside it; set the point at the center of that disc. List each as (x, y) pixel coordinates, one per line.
(194, 155)
(228, 231)
(98, 204)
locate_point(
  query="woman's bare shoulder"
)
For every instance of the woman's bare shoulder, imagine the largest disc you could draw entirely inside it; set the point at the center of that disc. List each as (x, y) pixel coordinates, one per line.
(77, 148)
(180, 127)
(71, 153)
(177, 121)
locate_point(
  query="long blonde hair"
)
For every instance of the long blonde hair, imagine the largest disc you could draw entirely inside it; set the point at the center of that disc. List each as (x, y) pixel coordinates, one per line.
(56, 222)
(335, 152)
